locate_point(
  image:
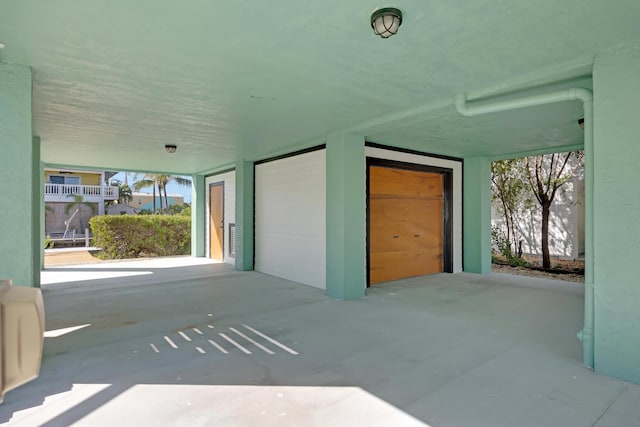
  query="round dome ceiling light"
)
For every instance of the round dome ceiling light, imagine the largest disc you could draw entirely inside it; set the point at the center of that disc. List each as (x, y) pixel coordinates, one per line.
(171, 148)
(386, 21)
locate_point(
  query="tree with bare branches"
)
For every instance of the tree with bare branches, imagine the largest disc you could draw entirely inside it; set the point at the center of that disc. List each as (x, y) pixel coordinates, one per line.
(545, 175)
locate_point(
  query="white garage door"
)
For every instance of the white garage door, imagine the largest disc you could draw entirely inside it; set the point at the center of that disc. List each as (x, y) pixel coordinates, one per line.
(290, 218)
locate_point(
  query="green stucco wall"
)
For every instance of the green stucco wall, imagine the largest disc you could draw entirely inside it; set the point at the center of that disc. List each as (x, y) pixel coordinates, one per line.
(198, 206)
(19, 230)
(244, 215)
(477, 215)
(37, 204)
(346, 222)
(616, 212)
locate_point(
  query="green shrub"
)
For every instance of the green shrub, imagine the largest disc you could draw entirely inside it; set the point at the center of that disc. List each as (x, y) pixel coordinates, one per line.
(501, 250)
(132, 236)
(500, 243)
(516, 261)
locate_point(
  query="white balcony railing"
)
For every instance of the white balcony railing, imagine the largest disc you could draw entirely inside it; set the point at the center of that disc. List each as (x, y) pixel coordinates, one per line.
(63, 191)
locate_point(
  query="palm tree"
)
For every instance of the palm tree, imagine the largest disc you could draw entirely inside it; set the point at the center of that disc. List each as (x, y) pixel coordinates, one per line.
(160, 181)
(78, 203)
(148, 180)
(164, 180)
(124, 193)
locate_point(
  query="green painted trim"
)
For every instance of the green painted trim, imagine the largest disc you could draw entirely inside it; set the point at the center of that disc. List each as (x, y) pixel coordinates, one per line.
(218, 170)
(291, 154)
(221, 172)
(346, 217)
(37, 220)
(476, 215)
(244, 215)
(298, 147)
(550, 150)
(587, 333)
(369, 126)
(411, 151)
(43, 214)
(198, 207)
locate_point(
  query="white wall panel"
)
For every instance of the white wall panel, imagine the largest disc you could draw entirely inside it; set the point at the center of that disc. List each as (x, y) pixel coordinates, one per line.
(290, 218)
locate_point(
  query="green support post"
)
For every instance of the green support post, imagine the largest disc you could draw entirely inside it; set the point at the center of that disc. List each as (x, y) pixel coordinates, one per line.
(37, 203)
(346, 221)
(19, 227)
(244, 215)
(477, 215)
(615, 209)
(198, 202)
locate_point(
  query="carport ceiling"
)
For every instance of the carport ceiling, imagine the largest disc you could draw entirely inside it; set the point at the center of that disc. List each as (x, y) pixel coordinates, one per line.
(114, 81)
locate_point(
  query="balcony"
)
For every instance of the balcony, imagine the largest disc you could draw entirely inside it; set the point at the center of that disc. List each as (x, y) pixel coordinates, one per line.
(89, 193)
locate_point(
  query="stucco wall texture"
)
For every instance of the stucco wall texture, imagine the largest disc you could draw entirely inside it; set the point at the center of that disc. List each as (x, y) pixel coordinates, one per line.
(17, 257)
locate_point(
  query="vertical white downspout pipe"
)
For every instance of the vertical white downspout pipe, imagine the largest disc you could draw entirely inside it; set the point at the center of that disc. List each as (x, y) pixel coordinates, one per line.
(586, 97)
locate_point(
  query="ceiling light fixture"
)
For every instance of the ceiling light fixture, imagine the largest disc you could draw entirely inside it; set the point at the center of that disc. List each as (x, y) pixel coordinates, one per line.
(581, 122)
(386, 21)
(171, 148)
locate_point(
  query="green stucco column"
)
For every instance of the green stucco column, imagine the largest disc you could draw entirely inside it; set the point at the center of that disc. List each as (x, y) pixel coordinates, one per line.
(198, 207)
(477, 215)
(616, 213)
(346, 216)
(19, 216)
(37, 199)
(244, 215)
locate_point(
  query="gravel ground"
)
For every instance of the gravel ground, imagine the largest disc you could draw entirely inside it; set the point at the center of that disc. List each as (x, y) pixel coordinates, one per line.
(84, 257)
(522, 271)
(69, 258)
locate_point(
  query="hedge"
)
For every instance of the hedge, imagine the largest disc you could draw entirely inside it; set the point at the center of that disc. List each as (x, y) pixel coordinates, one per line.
(132, 236)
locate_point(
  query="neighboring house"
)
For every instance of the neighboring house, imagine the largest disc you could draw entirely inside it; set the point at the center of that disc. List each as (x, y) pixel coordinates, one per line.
(144, 201)
(60, 189)
(566, 223)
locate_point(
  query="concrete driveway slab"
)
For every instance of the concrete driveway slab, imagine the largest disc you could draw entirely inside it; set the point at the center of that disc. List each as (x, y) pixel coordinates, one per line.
(216, 347)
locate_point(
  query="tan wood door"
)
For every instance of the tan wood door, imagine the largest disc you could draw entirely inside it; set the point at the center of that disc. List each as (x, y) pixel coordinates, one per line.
(216, 221)
(405, 223)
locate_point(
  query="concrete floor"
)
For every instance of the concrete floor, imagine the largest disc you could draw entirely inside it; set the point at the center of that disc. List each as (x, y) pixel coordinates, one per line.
(167, 343)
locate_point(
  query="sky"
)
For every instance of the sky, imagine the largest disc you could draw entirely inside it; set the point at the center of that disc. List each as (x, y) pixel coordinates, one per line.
(172, 188)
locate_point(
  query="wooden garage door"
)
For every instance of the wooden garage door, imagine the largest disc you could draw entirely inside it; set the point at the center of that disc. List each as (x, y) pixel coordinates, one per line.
(405, 223)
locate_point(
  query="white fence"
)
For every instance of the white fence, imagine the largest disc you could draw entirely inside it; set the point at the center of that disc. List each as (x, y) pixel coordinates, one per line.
(93, 191)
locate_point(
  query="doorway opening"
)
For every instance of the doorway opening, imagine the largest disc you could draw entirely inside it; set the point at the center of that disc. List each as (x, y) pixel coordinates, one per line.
(409, 225)
(538, 216)
(216, 221)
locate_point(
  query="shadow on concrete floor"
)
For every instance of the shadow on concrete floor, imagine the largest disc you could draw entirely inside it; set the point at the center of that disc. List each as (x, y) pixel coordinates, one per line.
(437, 350)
